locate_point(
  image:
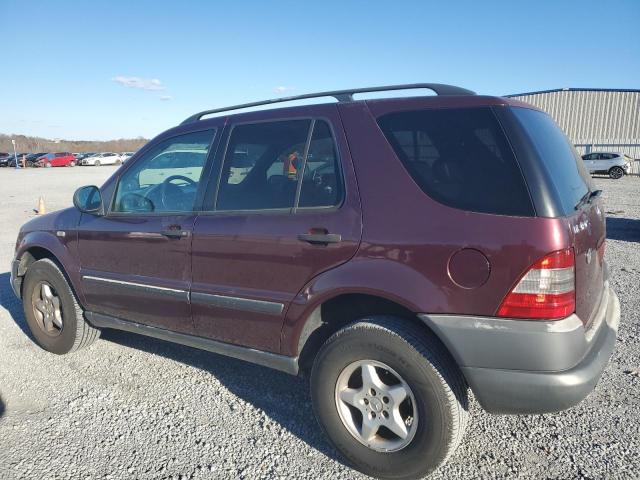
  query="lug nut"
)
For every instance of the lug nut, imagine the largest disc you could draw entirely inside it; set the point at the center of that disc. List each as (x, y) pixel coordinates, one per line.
(385, 399)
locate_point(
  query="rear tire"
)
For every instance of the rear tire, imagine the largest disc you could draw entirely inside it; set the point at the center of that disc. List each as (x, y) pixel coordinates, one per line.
(402, 355)
(616, 172)
(63, 328)
(72, 164)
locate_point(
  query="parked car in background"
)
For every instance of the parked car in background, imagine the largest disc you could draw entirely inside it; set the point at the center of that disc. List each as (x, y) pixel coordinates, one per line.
(105, 158)
(80, 156)
(398, 251)
(126, 156)
(614, 164)
(30, 159)
(4, 158)
(61, 159)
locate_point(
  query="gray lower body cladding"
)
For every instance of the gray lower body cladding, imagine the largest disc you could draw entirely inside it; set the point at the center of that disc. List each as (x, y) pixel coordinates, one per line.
(530, 366)
(16, 281)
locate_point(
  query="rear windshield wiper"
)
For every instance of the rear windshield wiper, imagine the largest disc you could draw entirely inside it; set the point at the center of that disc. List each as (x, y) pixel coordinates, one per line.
(587, 198)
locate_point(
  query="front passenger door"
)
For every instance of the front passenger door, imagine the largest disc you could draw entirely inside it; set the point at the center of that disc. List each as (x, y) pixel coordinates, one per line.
(135, 260)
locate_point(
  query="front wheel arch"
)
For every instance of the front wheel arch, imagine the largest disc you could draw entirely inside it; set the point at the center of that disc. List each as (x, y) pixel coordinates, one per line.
(33, 254)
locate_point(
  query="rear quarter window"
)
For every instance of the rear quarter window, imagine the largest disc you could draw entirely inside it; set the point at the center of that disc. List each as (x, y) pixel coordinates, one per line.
(566, 170)
(459, 157)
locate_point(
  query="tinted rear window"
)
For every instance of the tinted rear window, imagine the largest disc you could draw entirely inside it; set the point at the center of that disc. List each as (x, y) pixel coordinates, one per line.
(459, 157)
(567, 173)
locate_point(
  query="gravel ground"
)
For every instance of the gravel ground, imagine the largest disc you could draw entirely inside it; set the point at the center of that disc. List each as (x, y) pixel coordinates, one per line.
(135, 407)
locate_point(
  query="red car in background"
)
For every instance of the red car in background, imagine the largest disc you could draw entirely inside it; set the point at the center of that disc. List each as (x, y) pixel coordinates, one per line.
(63, 159)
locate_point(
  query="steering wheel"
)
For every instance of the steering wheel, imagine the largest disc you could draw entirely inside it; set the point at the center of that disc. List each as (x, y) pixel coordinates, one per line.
(166, 185)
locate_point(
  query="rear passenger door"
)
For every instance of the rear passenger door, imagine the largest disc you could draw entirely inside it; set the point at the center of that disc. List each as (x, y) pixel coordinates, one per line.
(283, 207)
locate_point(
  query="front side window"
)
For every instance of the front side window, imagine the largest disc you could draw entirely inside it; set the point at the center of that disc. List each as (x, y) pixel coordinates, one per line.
(165, 178)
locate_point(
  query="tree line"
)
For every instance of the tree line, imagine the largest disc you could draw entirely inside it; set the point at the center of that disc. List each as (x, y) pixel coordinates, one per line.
(26, 144)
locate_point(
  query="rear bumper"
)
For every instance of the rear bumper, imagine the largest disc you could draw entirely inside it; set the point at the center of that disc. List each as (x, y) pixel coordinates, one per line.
(521, 366)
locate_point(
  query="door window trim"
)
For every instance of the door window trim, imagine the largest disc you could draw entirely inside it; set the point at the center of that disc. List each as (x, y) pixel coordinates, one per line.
(202, 183)
(214, 189)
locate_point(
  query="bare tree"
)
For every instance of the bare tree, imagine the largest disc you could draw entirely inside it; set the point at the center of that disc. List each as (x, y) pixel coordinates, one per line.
(25, 144)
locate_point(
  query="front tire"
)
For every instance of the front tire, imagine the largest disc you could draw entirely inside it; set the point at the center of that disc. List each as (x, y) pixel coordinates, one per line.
(52, 311)
(616, 172)
(96, 163)
(389, 397)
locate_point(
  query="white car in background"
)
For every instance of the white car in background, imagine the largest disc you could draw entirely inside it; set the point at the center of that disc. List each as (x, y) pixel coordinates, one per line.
(616, 165)
(105, 158)
(126, 156)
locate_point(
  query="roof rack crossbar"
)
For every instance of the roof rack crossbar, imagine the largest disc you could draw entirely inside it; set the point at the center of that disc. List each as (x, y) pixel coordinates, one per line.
(340, 95)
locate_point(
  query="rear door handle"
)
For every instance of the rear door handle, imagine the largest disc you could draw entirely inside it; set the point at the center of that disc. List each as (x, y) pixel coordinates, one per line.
(320, 238)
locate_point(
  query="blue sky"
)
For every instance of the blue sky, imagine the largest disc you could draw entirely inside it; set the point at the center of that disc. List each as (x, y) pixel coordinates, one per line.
(101, 70)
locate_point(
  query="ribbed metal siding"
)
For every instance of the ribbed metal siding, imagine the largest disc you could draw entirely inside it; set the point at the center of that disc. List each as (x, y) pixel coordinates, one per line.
(608, 118)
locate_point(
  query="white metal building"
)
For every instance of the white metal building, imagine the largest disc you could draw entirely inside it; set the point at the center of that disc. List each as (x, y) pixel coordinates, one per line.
(594, 119)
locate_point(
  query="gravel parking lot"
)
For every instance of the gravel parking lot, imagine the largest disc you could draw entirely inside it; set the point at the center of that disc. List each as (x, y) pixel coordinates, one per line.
(136, 407)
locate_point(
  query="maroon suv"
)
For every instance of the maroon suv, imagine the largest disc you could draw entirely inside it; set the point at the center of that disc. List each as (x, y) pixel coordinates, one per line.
(400, 251)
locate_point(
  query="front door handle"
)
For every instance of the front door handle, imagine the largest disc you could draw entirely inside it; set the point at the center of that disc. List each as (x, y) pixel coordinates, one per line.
(175, 231)
(320, 238)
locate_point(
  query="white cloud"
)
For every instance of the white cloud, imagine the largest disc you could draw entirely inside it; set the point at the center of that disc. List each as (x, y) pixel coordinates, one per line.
(152, 84)
(166, 98)
(282, 89)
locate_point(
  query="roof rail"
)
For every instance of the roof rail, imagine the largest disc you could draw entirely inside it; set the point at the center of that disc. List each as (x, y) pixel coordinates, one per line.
(340, 95)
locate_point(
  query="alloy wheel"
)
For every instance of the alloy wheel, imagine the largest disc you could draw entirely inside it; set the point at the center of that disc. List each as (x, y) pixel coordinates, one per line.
(616, 173)
(376, 405)
(47, 309)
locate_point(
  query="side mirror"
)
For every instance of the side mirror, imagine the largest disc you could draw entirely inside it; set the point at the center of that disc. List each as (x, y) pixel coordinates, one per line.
(88, 200)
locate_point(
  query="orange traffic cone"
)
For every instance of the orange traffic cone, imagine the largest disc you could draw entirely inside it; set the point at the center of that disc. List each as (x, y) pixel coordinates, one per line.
(41, 210)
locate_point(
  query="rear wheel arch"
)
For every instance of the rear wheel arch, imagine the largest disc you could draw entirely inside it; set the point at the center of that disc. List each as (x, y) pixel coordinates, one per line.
(337, 312)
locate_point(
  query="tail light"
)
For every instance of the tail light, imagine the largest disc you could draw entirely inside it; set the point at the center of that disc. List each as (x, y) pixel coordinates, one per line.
(547, 290)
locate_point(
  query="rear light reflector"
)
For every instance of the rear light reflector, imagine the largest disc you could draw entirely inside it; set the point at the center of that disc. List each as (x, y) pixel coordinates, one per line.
(546, 291)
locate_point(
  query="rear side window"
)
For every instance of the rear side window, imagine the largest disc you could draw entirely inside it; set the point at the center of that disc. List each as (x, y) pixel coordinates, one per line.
(265, 167)
(459, 157)
(321, 181)
(566, 171)
(260, 169)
